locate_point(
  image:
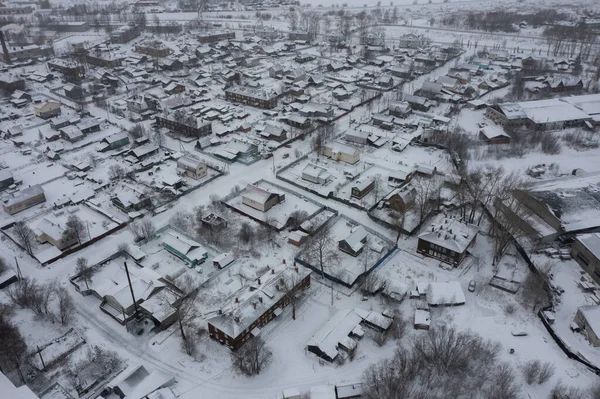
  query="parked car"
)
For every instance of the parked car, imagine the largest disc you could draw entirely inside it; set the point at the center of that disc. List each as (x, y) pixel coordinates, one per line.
(471, 285)
(286, 155)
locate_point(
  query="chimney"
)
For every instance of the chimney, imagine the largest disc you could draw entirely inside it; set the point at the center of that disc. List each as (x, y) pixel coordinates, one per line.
(237, 300)
(272, 271)
(254, 304)
(260, 299)
(5, 49)
(296, 269)
(258, 280)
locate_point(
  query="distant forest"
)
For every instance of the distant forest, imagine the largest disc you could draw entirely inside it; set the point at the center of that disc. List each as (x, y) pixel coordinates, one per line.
(502, 21)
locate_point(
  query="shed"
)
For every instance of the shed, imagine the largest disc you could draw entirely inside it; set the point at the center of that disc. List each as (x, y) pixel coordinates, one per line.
(220, 261)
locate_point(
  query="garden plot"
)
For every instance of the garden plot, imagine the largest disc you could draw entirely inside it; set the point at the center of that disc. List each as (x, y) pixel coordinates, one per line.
(11, 158)
(279, 214)
(335, 174)
(362, 249)
(56, 349)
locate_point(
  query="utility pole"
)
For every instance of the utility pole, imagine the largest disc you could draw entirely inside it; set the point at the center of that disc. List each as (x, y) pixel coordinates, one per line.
(41, 358)
(19, 275)
(131, 289)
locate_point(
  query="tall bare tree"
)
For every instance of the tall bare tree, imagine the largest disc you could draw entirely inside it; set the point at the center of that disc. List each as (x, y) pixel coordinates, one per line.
(321, 249)
(85, 273)
(426, 200)
(25, 236)
(147, 229)
(251, 358)
(76, 227)
(187, 313)
(66, 307)
(12, 347)
(288, 283)
(3, 265)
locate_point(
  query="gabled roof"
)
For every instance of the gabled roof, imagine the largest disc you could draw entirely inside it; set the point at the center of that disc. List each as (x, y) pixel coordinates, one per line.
(355, 238)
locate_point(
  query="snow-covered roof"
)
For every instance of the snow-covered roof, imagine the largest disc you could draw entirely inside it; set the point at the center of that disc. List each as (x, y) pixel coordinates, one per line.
(184, 245)
(224, 259)
(113, 138)
(591, 242)
(137, 381)
(10, 391)
(336, 147)
(53, 230)
(24, 194)
(450, 233)
(445, 293)
(591, 314)
(254, 300)
(491, 132)
(322, 392)
(257, 194)
(335, 330)
(188, 163)
(422, 317)
(356, 237)
(574, 200)
(144, 150)
(128, 195)
(314, 171)
(349, 391)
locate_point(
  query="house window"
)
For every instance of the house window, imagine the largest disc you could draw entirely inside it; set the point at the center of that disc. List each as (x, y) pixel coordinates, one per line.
(583, 259)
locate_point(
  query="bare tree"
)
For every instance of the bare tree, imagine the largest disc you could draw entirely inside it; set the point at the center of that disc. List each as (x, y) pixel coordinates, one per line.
(251, 358)
(25, 236)
(443, 363)
(427, 196)
(546, 372)
(246, 233)
(292, 17)
(321, 250)
(76, 227)
(135, 229)
(3, 265)
(116, 172)
(561, 391)
(12, 347)
(187, 313)
(503, 385)
(159, 138)
(181, 220)
(85, 273)
(531, 371)
(147, 229)
(21, 294)
(296, 219)
(123, 248)
(534, 289)
(288, 283)
(66, 307)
